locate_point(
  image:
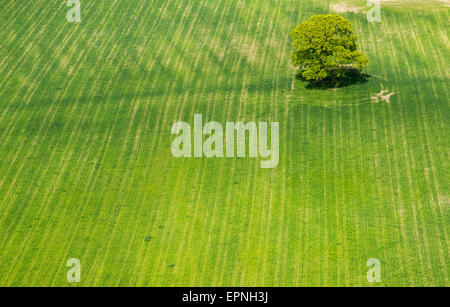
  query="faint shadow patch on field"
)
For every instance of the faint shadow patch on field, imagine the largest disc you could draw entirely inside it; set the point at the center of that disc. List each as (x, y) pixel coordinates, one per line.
(254, 85)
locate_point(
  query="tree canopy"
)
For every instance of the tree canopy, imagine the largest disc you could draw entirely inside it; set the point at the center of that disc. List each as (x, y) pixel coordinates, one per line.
(326, 47)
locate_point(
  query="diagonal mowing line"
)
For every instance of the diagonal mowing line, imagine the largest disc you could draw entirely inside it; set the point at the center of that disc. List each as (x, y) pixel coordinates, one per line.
(15, 14)
(130, 245)
(63, 94)
(132, 158)
(254, 164)
(27, 99)
(376, 167)
(19, 64)
(251, 224)
(27, 155)
(149, 166)
(240, 113)
(275, 111)
(413, 163)
(23, 165)
(107, 190)
(188, 234)
(19, 45)
(284, 231)
(173, 213)
(72, 113)
(202, 261)
(112, 231)
(428, 153)
(398, 194)
(218, 269)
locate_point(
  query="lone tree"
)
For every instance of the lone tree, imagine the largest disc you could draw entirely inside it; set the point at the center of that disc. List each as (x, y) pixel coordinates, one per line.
(326, 48)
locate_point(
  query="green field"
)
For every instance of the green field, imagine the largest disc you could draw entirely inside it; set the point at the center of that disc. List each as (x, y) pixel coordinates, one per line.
(87, 172)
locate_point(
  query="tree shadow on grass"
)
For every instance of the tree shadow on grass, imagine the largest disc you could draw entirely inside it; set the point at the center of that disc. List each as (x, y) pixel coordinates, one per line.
(352, 77)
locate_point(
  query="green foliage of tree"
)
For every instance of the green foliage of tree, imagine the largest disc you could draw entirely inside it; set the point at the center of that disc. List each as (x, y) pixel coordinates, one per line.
(325, 47)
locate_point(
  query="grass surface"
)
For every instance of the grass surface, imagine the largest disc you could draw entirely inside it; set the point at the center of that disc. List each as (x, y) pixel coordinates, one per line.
(86, 170)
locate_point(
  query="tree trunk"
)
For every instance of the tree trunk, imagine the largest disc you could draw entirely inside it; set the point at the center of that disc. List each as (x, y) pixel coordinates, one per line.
(336, 84)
